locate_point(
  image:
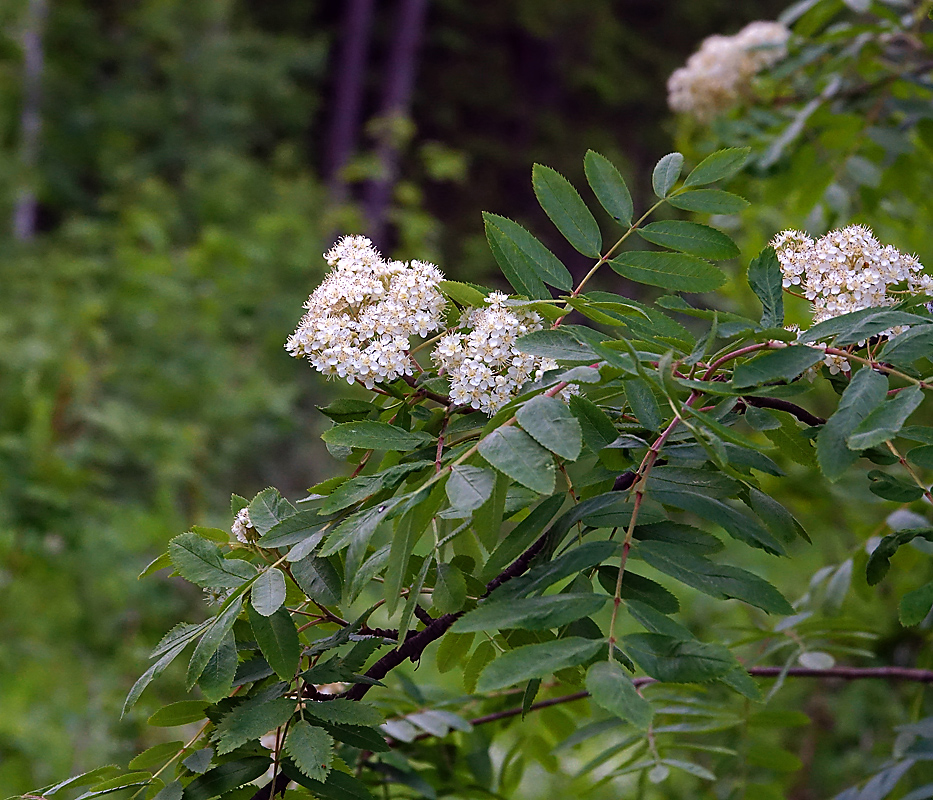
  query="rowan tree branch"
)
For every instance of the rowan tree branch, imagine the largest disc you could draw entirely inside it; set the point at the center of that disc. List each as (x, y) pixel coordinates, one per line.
(783, 405)
(415, 644)
(838, 673)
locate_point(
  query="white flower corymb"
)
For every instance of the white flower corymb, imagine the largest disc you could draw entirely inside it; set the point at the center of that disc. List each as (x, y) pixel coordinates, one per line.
(715, 77)
(483, 365)
(359, 320)
(848, 270)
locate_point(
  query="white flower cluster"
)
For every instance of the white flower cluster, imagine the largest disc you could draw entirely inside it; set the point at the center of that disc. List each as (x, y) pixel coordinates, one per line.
(714, 77)
(483, 365)
(847, 270)
(360, 318)
(243, 527)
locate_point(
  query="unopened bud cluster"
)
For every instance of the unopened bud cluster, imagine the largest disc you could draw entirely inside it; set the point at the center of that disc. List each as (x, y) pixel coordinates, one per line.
(848, 270)
(715, 77)
(482, 363)
(361, 317)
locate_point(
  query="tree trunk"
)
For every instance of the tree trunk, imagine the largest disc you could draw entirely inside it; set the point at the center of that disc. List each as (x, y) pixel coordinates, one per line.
(24, 212)
(399, 83)
(349, 88)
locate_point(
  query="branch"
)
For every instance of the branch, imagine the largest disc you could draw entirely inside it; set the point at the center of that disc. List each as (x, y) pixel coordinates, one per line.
(278, 786)
(416, 644)
(838, 673)
(437, 398)
(783, 405)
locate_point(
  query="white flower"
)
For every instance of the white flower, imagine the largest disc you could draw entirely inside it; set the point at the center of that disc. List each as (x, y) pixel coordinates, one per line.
(715, 77)
(848, 270)
(483, 365)
(360, 318)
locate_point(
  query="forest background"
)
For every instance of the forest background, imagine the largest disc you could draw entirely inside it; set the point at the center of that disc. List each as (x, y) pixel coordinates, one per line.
(170, 173)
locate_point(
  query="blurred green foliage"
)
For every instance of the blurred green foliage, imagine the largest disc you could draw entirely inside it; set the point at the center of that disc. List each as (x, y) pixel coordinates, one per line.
(182, 217)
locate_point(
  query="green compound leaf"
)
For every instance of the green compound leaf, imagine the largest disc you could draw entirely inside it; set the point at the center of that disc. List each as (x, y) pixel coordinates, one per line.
(614, 691)
(183, 712)
(250, 720)
(776, 365)
(886, 421)
(643, 403)
(345, 712)
(514, 264)
(665, 173)
(690, 237)
(156, 755)
(556, 344)
(318, 579)
(126, 781)
(453, 650)
(514, 453)
(201, 562)
(639, 588)
(890, 487)
(709, 201)
(563, 204)
(921, 456)
(267, 509)
(462, 293)
(536, 660)
(211, 640)
(550, 423)
(879, 562)
(736, 523)
(171, 791)
(167, 657)
(527, 255)
(859, 326)
(531, 613)
(673, 660)
(673, 271)
(268, 592)
(225, 777)
(311, 748)
(449, 589)
(719, 165)
(916, 605)
(216, 680)
(369, 435)
(293, 529)
(277, 638)
(608, 186)
(866, 391)
(482, 655)
(522, 536)
(540, 577)
(909, 346)
(766, 280)
(338, 786)
(469, 487)
(717, 580)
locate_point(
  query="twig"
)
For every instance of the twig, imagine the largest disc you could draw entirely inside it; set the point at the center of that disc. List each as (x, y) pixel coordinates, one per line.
(838, 673)
(783, 405)
(910, 470)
